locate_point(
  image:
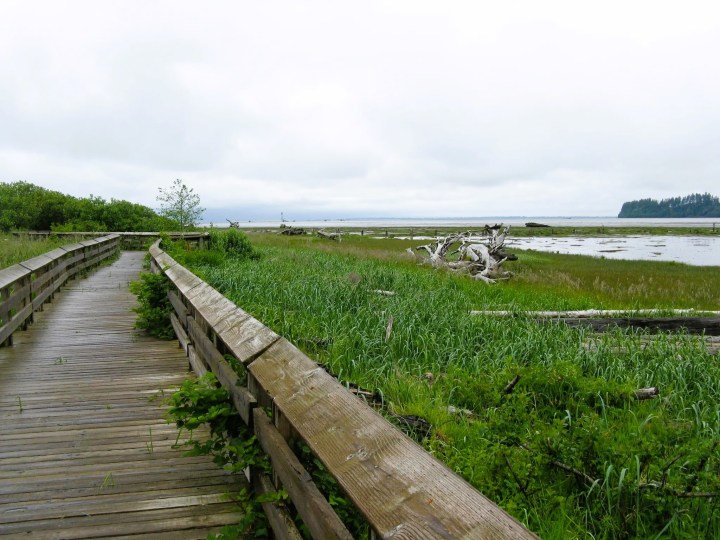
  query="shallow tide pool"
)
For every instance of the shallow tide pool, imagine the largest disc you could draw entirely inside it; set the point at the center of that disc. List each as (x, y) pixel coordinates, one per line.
(695, 250)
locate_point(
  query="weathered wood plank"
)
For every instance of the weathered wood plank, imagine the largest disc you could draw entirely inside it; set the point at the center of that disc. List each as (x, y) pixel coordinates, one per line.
(710, 326)
(86, 451)
(37, 263)
(316, 512)
(11, 274)
(179, 307)
(247, 339)
(392, 480)
(242, 399)
(179, 332)
(280, 521)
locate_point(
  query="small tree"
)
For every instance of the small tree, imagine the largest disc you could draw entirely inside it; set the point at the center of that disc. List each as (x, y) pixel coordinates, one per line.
(180, 204)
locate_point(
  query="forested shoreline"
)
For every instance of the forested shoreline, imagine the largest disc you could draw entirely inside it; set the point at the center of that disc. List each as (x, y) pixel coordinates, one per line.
(695, 205)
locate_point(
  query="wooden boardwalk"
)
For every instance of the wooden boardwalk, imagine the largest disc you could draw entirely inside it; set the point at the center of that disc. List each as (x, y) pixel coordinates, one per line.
(85, 451)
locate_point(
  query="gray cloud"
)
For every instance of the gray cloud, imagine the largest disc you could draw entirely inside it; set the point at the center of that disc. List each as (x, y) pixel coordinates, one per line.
(408, 108)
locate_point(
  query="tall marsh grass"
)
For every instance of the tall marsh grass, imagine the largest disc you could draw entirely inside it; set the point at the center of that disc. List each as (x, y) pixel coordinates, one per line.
(15, 249)
(570, 451)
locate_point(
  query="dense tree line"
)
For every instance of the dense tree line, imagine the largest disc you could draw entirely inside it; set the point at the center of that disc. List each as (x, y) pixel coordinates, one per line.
(25, 206)
(695, 205)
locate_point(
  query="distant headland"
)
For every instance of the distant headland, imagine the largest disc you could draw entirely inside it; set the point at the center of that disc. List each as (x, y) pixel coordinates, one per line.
(691, 206)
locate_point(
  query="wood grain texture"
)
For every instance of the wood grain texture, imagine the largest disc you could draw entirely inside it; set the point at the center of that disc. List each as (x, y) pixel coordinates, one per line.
(280, 521)
(709, 326)
(86, 451)
(402, 490)
(315, 510)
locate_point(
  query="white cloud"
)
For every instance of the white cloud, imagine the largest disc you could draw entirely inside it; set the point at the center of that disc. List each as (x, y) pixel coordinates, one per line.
(383, 108)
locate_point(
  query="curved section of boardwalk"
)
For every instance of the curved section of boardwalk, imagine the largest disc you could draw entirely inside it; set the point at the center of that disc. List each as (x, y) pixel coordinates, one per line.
(85, 451)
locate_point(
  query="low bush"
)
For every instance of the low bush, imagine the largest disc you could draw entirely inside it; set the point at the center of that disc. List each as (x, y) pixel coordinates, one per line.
(154, 307)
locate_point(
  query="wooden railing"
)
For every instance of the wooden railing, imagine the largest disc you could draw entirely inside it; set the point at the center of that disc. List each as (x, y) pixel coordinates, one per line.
(129, 240)
(401, 490)
(26, 286)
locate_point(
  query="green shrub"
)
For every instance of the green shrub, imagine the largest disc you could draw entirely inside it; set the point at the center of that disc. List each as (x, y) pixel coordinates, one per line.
(233, 243)
(154, 309)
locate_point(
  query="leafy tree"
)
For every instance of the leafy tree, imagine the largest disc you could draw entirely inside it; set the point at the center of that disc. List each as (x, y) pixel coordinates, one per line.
(180, 204)
(25, 206)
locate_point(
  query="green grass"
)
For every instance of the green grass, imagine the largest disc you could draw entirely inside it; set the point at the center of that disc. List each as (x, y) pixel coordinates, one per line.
(17, 249)
(570, 452)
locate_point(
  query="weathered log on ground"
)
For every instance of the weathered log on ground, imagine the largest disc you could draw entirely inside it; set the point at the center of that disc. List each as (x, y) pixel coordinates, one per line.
(710, 326)
(291, 231)
(604, 320)
(710, 343)
(511, 385)
(647, 393)
(329, 236)
(594, 313)
(384, 293)
(533, 224)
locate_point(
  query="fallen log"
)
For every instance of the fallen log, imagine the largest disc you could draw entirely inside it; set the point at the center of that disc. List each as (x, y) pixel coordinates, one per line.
(287, 230)
(647, 393)
(709, 326)
(604, 320)
(384, 293)
(589, 313)
(709, 343)
(534, 224)
(511, 385)
(329, 236)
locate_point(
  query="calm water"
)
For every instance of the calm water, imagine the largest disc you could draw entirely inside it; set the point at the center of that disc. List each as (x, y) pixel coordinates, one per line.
(695, 250)
(479, 222)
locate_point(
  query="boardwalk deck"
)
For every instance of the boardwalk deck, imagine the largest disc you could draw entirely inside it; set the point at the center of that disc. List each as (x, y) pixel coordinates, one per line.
(84, 447)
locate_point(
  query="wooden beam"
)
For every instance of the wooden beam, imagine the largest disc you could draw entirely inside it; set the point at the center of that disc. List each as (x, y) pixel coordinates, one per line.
(392, 480)
(312, 506)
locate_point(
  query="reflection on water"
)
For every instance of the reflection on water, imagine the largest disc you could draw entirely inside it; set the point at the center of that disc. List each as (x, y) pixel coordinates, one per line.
(695, 250)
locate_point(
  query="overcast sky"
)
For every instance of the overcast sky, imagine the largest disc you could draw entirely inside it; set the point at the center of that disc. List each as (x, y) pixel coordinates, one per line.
(356, 109)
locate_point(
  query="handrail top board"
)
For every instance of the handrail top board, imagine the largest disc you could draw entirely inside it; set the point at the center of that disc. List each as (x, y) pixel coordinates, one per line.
(145, 234)
(11, 274)
(69, 248)
(37, 262)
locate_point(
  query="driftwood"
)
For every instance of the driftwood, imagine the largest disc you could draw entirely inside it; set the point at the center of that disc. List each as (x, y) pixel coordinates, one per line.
(511, 385)
(604, 320)
(533, 224)
(647, 393)
(384, 293)
(233, 224)
(463, 252)
(709, 343)
(388, 328)
(591, 313)
(328, 235)
(291, 231)
(709, 326)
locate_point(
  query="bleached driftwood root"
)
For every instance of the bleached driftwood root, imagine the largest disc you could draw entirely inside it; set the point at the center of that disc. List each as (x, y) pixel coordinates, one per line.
(463, 252)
